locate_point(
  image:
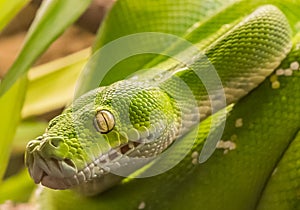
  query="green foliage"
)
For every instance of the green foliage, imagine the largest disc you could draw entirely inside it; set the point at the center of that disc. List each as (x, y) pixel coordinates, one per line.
(10, 111)
(17, 188)
(57, 79)
(9, 9)
(52, 19)
(11, 102)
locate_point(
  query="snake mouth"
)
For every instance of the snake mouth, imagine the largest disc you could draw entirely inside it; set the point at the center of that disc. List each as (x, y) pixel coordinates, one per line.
(63, 174)
(52, 173)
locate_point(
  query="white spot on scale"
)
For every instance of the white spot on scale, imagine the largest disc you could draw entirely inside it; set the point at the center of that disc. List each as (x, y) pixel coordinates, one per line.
(288, 72)
(142, 205)
(294, 65)
(239, 123)
(226, 145)
(194, 161)
(195, 156)
(279, 72)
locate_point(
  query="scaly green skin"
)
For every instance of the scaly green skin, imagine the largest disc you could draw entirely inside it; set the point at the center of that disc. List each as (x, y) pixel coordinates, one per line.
(243, 178)
(149, 113)
(282, 189)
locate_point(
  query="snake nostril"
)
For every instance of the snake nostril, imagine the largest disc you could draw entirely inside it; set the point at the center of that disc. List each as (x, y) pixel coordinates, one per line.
(55, 142)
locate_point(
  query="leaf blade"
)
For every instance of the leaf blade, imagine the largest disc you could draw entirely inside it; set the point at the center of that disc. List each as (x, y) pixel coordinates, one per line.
(9, 9)
(10, 109)
(52, 19)
(51, 78)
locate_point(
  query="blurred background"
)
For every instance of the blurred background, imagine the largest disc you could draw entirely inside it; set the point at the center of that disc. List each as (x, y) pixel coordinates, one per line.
(80, 35)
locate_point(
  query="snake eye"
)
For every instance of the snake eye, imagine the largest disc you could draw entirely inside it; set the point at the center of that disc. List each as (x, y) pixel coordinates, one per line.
(104, 121)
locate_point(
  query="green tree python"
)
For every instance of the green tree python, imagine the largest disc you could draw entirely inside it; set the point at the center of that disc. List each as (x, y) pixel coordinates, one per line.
(141, 117)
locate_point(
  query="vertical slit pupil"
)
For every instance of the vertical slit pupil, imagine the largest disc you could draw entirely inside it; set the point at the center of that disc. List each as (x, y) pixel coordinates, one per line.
(104, 121)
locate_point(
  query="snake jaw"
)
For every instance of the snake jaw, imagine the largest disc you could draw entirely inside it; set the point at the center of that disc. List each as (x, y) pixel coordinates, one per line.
(52, 173)
(57, 173)
(51, 167)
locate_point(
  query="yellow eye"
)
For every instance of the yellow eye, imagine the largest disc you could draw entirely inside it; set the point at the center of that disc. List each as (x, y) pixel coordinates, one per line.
(104, 121)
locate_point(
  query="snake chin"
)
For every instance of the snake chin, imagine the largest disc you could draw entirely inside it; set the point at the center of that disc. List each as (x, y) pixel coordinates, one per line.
(52, 173)
(63, 174)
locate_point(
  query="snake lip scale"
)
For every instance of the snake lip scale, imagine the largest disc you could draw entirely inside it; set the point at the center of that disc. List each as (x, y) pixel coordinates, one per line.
(63, 174)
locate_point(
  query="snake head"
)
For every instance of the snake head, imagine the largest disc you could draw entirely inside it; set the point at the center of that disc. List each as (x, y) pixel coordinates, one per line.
(99, 132)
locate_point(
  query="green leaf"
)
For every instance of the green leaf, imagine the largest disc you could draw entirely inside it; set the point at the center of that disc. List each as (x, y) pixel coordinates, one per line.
(27, 130)
(10, 108)
(16, 188)
(52, 19)
(9, 9)
(57, 79)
